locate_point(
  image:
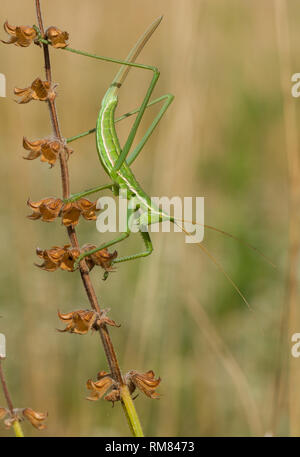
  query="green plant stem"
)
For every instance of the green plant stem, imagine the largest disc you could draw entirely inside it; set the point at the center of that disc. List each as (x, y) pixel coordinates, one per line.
(130, 412)
(18, 429)
(16, 425)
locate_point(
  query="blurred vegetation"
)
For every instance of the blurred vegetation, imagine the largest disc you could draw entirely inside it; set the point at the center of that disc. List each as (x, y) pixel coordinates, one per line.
(223, 138)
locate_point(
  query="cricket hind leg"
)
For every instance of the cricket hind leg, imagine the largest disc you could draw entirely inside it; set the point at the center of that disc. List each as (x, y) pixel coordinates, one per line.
(119, 119)
(120, 238)
(168, 100)
(123, 236)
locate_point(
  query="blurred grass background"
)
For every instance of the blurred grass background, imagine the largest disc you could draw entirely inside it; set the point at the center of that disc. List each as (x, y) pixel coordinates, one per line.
(223, 138)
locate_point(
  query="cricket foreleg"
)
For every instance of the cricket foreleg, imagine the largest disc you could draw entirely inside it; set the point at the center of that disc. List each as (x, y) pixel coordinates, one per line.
(168, 100)
(75, 197)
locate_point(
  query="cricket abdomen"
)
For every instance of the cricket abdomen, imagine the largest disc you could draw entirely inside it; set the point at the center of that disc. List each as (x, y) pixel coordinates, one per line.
(108, 146)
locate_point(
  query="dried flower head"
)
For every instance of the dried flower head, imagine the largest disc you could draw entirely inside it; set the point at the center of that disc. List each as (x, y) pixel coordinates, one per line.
(18, 414)
(145, 382)
(3, 413)
(102, 258)
(58, 257)
(48, 209)
(35, 418)
(57, 38)
(39, 90)
(83, 320)
(99, 387)
(22, 35)
(47, 149)
(105, 384)
(73, 210)
(79, 322)
(65, 258)
(9, 418)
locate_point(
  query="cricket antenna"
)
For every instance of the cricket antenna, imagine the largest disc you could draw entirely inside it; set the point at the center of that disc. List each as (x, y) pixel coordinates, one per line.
(229, 235)
(219, 266)
(135, 51)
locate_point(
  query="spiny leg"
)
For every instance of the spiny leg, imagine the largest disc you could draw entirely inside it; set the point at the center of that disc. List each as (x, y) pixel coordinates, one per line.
(169, 98)
(148, 251)
(122, 157)
(81, 135)
(120, 238)
(119, 79)
(123, 236)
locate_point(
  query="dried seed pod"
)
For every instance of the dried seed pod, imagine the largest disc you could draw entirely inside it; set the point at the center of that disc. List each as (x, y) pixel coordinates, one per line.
(145, 382)
(35, 418)
(48, 209)
(22, 35)
(47, 149)
(39, 90)
(100, 387)
(57, 38)
(79, 322)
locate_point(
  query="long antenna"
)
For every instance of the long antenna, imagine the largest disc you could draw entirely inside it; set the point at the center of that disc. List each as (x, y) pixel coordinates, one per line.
(135, 51)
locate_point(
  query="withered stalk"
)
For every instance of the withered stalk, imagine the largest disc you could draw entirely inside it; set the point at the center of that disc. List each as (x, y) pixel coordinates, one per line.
(16, 425)
(84, 271)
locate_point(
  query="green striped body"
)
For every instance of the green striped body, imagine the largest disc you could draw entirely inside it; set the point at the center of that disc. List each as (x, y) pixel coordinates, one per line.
(109, 149)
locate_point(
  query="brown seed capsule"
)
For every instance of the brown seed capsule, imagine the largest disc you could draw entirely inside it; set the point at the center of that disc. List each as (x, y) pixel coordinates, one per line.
(145, 382)
(47, 149)
(66, 257)
(3, 413)
(100, 387)
(73, 210)
(39, 90)
(53, 257)
(22, 35)
(35, 418)
(79, 322)
(48, 209)
(83, 320)
(102, 258)
(18, 415)
(57, 38)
